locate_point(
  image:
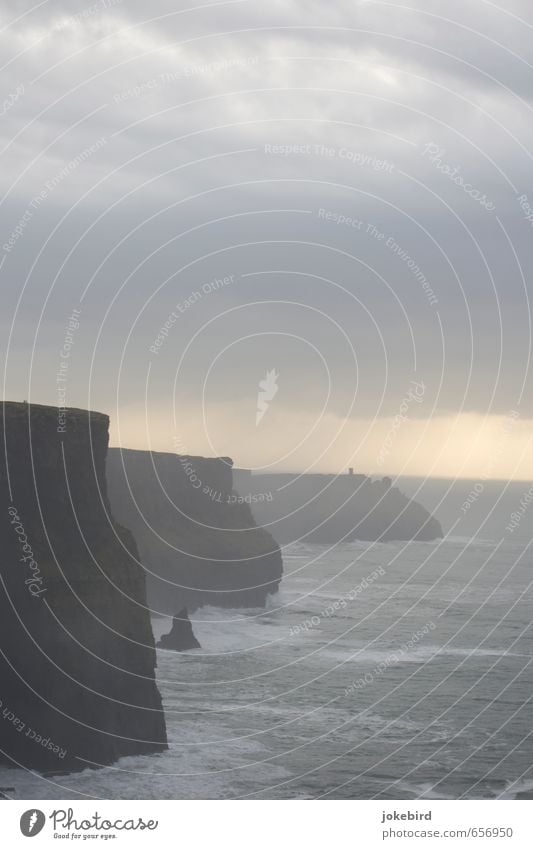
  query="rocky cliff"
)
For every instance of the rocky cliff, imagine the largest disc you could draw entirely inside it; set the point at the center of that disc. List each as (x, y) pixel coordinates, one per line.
(327, 509)
(78, 657)
(198, 539)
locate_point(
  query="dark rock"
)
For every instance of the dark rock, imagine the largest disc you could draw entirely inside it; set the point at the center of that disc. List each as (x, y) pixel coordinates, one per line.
(77, 670)
(198, 540)
(329, 509)
(181, 637)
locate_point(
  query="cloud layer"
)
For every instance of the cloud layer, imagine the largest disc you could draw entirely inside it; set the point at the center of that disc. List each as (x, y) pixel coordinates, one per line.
(360, 173)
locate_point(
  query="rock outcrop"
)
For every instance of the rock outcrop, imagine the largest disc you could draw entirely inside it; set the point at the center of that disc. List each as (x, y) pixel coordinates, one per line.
(198, 540)
(78, 656)
(181, 637)
(328, 509)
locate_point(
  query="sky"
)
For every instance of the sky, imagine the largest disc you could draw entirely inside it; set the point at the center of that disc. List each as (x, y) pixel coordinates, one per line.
(295, 233)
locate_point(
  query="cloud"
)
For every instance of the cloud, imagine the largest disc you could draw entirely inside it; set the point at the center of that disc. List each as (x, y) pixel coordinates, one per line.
(464, 446)
(149, 152)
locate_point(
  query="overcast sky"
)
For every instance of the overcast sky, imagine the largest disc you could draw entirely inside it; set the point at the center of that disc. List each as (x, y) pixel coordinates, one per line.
(336, 193)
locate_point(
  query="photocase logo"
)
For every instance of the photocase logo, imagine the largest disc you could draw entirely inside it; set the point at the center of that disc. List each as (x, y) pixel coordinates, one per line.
(32, 822)
(268, 388)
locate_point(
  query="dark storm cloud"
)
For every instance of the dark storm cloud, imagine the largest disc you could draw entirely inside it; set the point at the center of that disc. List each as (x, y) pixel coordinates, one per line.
(362, 167)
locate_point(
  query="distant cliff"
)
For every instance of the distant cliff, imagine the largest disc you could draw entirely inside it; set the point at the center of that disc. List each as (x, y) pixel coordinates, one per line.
(198, 540)
(327, 509)
(78, 657)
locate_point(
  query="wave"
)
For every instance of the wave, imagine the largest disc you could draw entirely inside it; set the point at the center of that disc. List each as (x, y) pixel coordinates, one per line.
(364, 657)
(522, 788)
(424, 790)
(465, 540)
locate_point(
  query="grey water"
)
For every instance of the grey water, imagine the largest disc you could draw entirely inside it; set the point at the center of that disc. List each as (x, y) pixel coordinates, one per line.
(392, 671)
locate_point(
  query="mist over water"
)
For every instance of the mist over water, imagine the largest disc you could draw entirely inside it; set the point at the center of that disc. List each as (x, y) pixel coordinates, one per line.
(484, 509)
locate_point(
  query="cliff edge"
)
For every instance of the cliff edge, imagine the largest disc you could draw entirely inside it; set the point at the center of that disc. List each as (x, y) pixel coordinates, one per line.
(78, 656)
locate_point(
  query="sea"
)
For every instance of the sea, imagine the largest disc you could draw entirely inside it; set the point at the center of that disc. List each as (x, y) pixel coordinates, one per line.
(379, 671)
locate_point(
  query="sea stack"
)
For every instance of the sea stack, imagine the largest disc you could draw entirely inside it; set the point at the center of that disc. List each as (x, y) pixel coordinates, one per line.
(77, 668)
(181, 637)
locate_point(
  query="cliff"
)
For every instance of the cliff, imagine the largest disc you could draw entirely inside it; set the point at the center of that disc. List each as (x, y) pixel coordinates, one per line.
(198, 540)
(78, 656)
(327, 509)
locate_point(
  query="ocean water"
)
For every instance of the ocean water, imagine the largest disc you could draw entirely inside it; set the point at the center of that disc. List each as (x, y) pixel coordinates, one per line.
(396, 671)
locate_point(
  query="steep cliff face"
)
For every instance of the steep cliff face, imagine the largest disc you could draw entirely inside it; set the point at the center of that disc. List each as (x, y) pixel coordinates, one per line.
(78, 657)
(327, 509)
(198, 540)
